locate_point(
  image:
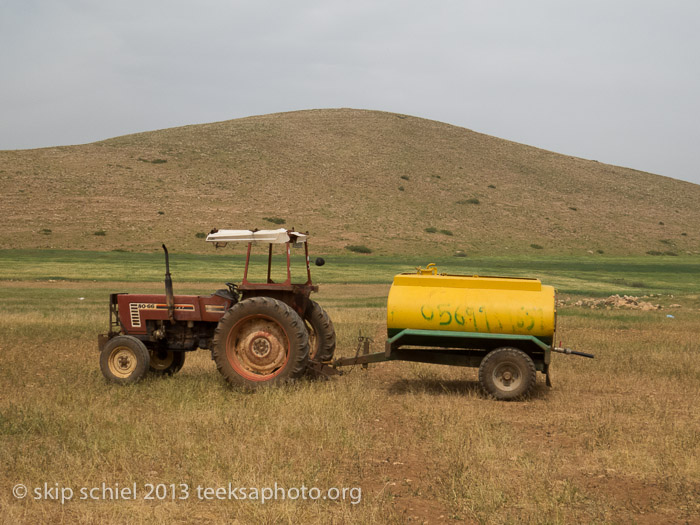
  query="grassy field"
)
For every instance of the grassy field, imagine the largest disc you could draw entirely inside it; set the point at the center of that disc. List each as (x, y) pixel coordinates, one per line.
(616, 440)
(595, 276)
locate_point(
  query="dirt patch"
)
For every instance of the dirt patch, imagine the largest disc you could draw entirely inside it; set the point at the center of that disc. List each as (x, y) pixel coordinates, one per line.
(401, 472)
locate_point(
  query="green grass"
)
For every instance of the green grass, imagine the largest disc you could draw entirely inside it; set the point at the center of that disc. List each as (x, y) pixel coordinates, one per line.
(595, 276)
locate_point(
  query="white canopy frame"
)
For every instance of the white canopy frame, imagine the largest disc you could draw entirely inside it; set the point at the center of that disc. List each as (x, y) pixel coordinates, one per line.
(281, 236)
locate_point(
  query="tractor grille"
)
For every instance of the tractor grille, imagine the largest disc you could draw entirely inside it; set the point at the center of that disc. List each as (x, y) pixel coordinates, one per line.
(135, 316)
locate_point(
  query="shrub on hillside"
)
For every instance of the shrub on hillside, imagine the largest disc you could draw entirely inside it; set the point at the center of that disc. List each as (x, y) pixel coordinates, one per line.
(358, 248)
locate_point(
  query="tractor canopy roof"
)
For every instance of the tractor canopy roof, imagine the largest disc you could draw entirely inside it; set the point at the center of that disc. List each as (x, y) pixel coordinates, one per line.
(280, 236)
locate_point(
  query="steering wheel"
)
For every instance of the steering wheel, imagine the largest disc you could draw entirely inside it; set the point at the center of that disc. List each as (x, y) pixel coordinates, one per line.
(233, 288)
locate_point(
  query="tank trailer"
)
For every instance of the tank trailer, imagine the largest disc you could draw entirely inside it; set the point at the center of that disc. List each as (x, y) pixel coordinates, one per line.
(262, 333)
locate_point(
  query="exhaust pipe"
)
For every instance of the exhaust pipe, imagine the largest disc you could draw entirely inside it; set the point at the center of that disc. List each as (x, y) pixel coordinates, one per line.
(169, 296)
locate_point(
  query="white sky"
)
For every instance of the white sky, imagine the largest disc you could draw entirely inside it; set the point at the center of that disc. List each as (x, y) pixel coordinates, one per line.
(616, 81)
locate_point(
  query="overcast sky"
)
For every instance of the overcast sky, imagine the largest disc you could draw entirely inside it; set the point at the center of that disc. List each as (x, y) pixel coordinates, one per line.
(612, 80)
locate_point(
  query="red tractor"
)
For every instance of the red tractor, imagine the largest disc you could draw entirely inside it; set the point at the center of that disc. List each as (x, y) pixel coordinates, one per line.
(258, 332)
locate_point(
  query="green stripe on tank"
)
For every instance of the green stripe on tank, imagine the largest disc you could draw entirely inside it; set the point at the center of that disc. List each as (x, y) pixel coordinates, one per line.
(395, 334)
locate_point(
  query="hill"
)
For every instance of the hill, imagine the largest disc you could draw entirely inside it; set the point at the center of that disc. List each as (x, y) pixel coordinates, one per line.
(395, 183)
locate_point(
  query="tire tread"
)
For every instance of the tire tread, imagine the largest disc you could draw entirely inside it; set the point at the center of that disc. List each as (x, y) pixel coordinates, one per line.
(501, 353)
(316, 316)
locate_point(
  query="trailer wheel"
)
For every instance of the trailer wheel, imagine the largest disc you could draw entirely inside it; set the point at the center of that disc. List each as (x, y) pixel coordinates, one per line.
(124, 359)
(321, 332)
(507, 373)
(166, 362)
(260, 341)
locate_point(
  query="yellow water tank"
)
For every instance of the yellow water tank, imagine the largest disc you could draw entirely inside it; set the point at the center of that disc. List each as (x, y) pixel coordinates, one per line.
(427, 300)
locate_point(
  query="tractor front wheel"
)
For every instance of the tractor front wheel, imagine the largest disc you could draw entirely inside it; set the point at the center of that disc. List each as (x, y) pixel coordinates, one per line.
(260, 341)
(124, 359)
(507, 373)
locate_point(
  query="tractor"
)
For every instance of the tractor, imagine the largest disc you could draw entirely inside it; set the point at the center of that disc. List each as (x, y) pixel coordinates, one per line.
(258, 333)
(262, 333)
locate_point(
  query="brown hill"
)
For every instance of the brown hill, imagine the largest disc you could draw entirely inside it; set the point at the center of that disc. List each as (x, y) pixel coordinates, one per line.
(350, 177)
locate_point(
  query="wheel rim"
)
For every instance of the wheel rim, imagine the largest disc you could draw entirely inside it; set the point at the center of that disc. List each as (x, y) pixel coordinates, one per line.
(257, 348)
(122, 362)
(162, 359)
(507, 376)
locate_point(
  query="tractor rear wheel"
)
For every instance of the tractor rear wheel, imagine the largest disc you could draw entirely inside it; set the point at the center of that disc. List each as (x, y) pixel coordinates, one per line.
(260, 341)
(166, 362)
(507, 373)
(321, 332)
(124, 359)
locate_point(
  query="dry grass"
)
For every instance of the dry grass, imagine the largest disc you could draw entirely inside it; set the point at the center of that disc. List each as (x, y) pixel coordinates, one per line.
(616, 440)
(336, 173)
